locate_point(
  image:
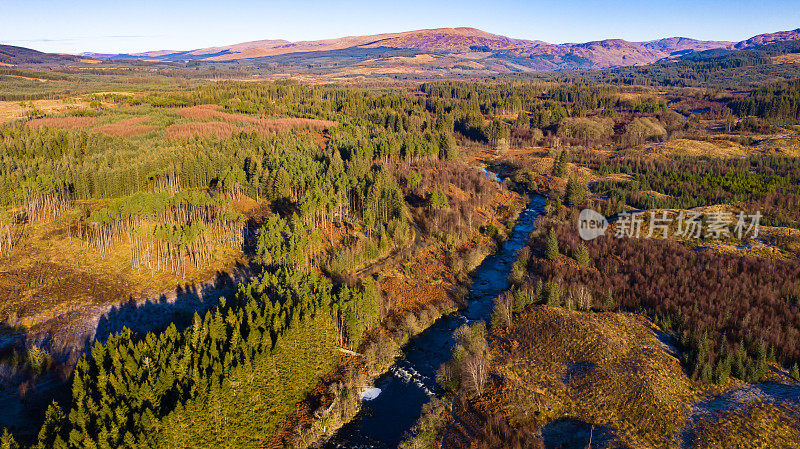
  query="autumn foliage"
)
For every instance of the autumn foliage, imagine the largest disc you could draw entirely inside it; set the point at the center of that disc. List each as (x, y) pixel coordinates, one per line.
(729, 310)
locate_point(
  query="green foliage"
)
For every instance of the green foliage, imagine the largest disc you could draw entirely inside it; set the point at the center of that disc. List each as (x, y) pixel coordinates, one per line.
(586, 129)
(53, 427)
(769, 184)
(438, 200)
(413, 179)
(286, 242)
(526, 179)
(7, 441)
(551, 245)
(582, 256)
(642, 129)
(779, 102)
(552, 294)
(576, 193)
(560, 167)
(428, 431)
(468, 366)
(491, 230)
(278, 334)
(608, 300)
(522, 300)
(38, 359)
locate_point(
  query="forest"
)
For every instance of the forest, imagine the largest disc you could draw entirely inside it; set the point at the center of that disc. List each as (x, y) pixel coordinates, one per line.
(314, 185)
(155, 390)
(721, 69)
(734, 314)
(779, 102)
(769, 184)
(381, 159)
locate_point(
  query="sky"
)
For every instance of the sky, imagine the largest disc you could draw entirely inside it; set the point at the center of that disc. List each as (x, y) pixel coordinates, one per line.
(114, 26)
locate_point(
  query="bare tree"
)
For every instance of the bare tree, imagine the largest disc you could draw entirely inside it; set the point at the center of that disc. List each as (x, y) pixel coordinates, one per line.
(504, 309)
(476, 372)
(580, 296)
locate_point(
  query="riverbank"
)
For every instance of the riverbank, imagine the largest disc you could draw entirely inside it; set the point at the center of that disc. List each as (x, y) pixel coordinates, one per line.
(411, 380)
(422, 287)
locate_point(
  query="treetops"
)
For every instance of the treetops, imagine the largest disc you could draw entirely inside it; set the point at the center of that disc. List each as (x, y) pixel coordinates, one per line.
(278, 334)
(151, 206)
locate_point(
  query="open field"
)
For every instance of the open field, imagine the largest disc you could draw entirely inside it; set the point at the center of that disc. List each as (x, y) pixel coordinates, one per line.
(604, 369)
(13, 110)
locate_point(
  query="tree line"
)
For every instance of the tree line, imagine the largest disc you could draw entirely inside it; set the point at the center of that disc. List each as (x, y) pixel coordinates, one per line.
(229, 378)
(769, 184)
(734, 314)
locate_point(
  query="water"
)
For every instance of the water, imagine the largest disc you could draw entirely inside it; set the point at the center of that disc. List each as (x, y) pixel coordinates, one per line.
(491, 175)
(410, 382)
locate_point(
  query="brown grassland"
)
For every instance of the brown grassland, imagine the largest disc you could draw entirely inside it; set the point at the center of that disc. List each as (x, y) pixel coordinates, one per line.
(754, 425)
(601, 368)
(263, 125)
(53, 283)
(188, 130)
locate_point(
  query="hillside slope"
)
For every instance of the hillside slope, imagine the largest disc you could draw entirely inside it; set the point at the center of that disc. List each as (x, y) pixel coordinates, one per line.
(12, 55)
(470, 44)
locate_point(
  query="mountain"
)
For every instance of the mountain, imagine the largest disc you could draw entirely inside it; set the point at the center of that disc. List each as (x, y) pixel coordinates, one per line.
(769, 38)
(453, 40)
(674, 46)
(11, 55)
(445, 50)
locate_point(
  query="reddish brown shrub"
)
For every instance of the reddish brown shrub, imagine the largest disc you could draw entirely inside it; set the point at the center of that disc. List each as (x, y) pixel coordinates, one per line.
(263, 125)
(126, 128)
(188, 130)
(62, 122)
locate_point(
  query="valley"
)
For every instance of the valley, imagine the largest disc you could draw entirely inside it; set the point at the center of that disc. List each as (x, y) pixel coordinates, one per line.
(382, 241)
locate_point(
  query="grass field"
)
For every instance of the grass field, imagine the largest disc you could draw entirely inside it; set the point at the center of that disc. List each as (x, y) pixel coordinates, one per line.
(601, 368)
(755, 425)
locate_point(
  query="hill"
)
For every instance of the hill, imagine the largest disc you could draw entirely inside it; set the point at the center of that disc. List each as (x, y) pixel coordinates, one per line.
(769, 38)
(468, 47)
(11, 55)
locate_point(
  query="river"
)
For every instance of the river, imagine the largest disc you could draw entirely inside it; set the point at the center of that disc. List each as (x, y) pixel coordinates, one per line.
(411, 381)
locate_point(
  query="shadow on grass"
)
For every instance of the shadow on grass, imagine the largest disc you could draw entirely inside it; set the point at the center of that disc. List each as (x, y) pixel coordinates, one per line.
(25, 395)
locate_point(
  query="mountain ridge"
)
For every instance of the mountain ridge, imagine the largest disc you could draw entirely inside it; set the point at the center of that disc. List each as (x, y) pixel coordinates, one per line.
(464, 40)
(459, 48)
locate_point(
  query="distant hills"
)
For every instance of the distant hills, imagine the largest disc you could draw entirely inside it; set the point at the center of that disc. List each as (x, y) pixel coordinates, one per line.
(473, 47)
(441, 50)
(11, 55)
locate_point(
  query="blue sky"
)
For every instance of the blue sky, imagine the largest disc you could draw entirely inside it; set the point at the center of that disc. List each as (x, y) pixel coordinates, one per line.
(131, 26)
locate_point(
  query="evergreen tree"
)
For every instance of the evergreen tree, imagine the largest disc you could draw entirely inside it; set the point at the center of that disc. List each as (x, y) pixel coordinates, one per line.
(576, 193)
(7, 441)
(608, 300)
(52, 428)
(560, 167)
(553, 293)
(582, 255)
(551, 245)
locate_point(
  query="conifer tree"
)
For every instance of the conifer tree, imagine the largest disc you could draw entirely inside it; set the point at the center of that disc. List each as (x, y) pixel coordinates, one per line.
(551, 245)
(582, 255)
